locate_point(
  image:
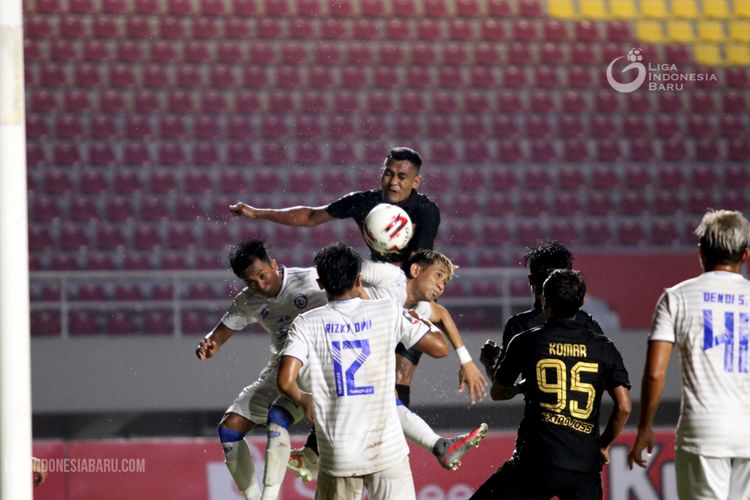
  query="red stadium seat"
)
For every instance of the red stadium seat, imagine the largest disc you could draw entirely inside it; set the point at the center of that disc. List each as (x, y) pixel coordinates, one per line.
(443, 152)
(514, 77)
(162, 181)
(439, 126)
(570, 126)
(460, 29)
(119, 209)
(492, 30)
(541, 101)
(476, 102)
(85, 323)
(245, 8)
(504, 126)
(524, 30)
(735, 177)
(111, 237)
(93, 182)
(537, 178)
(171, 154)
(407, 127)
(509, 151)
(240, 155)
(213, 8)
(736, 77)
(675, 149)
(83, 210)
(365, 29)
(637, 177)
(532, 204)
(597, 233)
(566, 204)
(537, 126)
(45, 208)
(667, 203)
(154, 208)
(468, 8)
(555, 31)
(587, 31)
(477, 151)
(738, 150)
(58, 181)
(632, 233)
(179, 101)
(664, 232)
(486, 54)
(705, 150)
(170, 127)
(634, 203)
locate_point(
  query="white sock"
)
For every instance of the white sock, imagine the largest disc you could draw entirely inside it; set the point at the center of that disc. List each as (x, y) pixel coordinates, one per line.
(277, 454)
(415, 429)
(240, 465)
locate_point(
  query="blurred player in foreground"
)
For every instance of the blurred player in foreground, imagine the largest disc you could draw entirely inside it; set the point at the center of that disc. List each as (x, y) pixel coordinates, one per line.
(708, 319)
(565, 369)
(273, 298)
(360, 439)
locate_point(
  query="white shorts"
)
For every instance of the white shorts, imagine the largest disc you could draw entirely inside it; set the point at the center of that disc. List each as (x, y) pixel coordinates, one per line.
(394, 483)
(255, 399)
(704, 478)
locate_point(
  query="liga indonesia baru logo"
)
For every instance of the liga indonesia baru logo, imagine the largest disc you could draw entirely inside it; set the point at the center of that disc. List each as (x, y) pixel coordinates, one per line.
(660, 77)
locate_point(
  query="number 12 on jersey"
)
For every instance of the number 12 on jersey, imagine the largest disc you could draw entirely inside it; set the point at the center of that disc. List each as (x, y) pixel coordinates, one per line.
(726, 336)
(345, 383)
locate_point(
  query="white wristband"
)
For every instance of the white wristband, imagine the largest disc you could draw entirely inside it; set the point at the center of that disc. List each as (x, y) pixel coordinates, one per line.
(463, 354)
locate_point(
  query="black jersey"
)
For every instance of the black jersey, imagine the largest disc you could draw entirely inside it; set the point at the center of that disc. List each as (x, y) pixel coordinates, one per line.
(424, 214)
(566, 368)
(535, 317)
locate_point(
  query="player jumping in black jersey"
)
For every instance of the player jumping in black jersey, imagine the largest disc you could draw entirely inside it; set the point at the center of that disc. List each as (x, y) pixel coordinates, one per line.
(565, 368)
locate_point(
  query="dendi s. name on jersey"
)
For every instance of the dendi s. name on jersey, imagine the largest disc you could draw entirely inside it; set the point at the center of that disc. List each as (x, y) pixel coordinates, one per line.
(359, 326)
(570, 350)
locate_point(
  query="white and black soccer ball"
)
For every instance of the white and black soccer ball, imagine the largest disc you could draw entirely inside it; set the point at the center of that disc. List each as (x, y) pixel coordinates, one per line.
(387, 228)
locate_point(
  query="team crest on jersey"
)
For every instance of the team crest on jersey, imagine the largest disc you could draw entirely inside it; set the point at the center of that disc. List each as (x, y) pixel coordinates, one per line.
(300, 300)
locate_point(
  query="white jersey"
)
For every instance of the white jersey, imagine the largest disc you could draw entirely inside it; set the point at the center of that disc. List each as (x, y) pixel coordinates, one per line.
(346, 349)
(381, 280)
(708, 319)
(299, 293)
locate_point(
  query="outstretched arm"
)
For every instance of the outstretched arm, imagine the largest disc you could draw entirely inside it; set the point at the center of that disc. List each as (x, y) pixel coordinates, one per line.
(292, 216)
(468, 375)
(617, 420)
(654, 374)
(211, 343)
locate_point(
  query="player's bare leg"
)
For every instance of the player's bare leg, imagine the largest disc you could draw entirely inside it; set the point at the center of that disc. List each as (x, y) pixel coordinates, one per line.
(232, 430)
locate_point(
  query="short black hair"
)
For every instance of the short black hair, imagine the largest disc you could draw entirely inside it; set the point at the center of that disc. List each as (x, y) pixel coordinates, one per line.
(244, 253)
(338, 266)
(403, 153)
(563, 292)
(544, 258)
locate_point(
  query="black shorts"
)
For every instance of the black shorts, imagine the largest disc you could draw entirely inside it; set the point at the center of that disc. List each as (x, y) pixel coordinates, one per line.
(412, 354)
(513, 481)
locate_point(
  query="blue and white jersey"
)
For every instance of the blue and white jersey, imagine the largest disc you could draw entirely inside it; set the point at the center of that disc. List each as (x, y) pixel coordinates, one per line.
(708, 318)
(346, 349)
(299, 293)
(382, 280)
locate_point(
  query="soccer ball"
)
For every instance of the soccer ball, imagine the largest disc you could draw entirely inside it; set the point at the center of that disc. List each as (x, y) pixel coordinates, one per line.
(387, 228)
